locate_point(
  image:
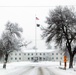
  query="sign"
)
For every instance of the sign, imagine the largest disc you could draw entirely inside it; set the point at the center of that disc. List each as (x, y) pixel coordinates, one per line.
(65, 58)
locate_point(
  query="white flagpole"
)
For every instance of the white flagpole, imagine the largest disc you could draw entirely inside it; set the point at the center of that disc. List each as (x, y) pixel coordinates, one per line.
(35, 39)
(35, 34)
(36, 58)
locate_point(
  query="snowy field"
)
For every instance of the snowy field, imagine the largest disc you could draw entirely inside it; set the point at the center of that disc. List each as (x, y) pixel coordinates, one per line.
(34, 68)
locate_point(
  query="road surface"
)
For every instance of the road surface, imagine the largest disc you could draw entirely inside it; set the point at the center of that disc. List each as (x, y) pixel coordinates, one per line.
(31, 70)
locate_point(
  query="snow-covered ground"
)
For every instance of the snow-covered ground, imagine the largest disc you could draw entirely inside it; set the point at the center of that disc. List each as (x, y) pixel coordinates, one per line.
(36, 68)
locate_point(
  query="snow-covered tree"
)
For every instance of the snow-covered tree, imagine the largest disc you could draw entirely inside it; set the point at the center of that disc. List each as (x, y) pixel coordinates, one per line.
(10, 40)
(61, 27)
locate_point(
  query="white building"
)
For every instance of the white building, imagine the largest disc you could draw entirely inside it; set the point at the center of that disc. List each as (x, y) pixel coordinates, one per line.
(38, 55)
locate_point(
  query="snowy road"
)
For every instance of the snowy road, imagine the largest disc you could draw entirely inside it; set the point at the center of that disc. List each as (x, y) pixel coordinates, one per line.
(44, 71)
(32, 70)
(39, 68)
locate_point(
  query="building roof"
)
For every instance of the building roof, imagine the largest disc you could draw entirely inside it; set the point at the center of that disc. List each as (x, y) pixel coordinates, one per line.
(32, 50)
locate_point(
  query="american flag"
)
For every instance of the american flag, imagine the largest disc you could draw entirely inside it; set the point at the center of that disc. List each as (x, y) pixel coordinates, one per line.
(37, 18)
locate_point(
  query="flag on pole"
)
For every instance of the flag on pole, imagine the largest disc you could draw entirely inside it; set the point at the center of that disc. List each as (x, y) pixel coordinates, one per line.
(37, 23)
(37, 18)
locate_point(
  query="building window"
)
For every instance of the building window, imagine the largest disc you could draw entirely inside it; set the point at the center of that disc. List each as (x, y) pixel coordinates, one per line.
(31, 53)
(56, 53)
(15, 53)
(43, 58)
(52, 53)
(19, 53)
(40, 53)
(28, 58)
(40, 58)
(61, 53)
(19, 58)
(28, 54)
(43, 53)
(24, 53)
(52, 57)
(61, 58)
(15, 58)
(56, 57)
(31, 58)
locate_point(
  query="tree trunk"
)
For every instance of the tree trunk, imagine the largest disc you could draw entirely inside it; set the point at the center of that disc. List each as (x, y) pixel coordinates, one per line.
(70, 55)
(71, 62)
(6, 58)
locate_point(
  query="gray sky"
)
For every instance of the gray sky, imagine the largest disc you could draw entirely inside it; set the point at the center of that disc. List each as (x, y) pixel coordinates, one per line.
(36, 2)
(26, 18)
(24, 12)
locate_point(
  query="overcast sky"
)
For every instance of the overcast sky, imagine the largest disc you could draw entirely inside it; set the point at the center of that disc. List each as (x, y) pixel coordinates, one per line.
(24, 13)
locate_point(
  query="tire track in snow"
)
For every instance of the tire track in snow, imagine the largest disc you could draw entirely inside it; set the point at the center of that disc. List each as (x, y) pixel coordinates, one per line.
(44, 71)
(20, 71)
(27, 71)
(50, 72)
(32, 70)
(40, 71)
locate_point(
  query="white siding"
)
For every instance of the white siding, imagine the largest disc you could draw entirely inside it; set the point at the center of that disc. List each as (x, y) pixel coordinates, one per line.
(31, 56)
